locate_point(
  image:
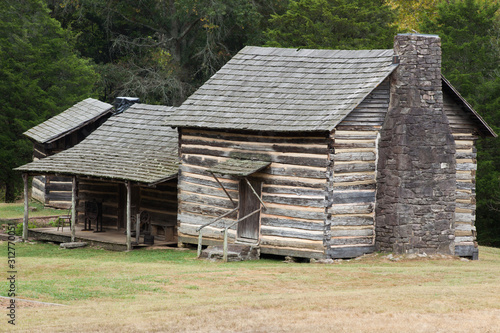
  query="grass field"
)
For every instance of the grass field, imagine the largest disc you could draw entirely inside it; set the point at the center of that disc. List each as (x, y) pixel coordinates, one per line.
(171, 291)
(16, 210)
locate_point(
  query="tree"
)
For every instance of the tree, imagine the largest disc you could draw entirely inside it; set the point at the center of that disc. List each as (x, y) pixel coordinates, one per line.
(40, 75)
(333, 24)
(162, 50)
(469, 31)
(411, 12)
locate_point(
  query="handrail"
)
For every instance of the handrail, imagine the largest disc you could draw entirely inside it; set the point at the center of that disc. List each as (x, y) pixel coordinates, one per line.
(209, 223)
(224, 255)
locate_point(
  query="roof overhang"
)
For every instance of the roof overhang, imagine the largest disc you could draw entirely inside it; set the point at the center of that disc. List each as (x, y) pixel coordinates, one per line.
(238, 167)
(484, 129)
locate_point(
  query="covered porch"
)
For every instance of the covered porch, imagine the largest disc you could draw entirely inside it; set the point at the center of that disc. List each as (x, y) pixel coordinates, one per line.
(114, 240)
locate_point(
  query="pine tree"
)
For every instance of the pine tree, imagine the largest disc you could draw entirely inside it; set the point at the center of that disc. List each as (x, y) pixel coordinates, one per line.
(40, 75)
(333, 24)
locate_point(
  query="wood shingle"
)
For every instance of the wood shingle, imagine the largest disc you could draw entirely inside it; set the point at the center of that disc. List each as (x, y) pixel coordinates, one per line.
(276, 89)
(133, 145)
(69, 121)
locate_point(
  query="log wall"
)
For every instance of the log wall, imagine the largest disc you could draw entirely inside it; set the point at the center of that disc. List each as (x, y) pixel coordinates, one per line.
(293, 188)
(351, 203)
(465, 135)
(159, 201)
(56, 191)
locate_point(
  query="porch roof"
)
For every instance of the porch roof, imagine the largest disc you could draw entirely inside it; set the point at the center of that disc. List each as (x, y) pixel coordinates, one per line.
(133, 145)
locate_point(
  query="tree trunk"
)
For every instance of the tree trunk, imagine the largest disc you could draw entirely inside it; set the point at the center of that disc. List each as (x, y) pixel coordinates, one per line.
(10, 191)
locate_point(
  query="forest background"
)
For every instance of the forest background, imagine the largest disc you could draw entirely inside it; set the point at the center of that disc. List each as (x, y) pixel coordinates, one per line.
(55, 53)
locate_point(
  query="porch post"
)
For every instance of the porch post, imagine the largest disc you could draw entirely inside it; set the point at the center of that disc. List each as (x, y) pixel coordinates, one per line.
(129, 213)
(73, 208)
(26, 207)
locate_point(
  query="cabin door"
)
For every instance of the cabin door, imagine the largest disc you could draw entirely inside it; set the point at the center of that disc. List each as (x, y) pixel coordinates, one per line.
(248, 229)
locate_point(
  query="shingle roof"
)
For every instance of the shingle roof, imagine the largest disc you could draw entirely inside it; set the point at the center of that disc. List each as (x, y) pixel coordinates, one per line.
(134, 145)
(68, 121)
(239, 167)
(276, 89)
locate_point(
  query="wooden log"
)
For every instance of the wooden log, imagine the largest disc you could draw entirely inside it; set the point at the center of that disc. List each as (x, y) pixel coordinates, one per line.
(254, 146)
(291, 233)
(349, 220)
(202, 189)
(291, 242)
(128, 221)
(295, 200)
(345, 197)
(272, 221)
(210, 231)
(364, 232)
(73, 208)
(292, 252)
(304, 191)
(196, 219)
(341, 167)
(291, 158)
(355, 156)
(26, 207)
(354, 177)
(350, 241)
(290, 137)
(203, 209)
(293, 212)
(352, 209)
(349, 251)
(206, 200)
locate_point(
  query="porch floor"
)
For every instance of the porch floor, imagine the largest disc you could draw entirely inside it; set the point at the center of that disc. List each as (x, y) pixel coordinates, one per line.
(110, 239)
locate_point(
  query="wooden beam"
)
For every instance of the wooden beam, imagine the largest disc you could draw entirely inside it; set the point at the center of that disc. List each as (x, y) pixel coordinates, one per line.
(73, 208)
(26, 207)
(129, 214)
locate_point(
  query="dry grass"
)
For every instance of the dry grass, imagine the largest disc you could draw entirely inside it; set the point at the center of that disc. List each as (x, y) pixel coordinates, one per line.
(170, 291)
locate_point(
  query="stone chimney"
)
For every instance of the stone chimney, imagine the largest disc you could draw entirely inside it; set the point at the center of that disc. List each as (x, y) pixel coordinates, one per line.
(416, 177)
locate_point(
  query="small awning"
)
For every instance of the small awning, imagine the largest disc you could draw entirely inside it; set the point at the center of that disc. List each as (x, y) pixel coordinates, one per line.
(238, 167)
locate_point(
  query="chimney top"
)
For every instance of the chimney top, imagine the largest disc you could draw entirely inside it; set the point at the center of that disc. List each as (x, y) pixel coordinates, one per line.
(419, 34)
(123, 103)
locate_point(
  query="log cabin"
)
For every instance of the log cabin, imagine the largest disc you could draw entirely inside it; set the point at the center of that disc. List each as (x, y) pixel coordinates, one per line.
(330, 153)
(127, 166)
(59, 133)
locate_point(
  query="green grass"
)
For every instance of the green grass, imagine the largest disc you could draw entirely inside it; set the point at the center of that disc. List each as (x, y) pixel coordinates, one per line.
(16, 210)
(170, 290)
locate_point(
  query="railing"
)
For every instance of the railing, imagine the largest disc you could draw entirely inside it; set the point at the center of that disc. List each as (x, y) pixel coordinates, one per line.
(200, 235)
(226, 228)
(224, 255)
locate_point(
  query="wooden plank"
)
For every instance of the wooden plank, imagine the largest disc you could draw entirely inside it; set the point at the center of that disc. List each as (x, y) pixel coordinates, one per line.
(345, 197)
(295, 200)
(341, 167)
(203, 209)
(276, 189)
(350, 220)
(363, 232)
(352, 209)
(290, 158)
(279, 222)
(350, 241)
(293, 212)
(349, 251)
(291, 242)
(291, 233)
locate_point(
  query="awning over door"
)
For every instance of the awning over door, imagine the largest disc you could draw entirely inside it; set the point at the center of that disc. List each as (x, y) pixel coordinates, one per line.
(238, 167)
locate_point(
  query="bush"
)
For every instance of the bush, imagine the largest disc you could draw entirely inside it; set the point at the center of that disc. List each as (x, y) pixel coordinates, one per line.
(20, 227)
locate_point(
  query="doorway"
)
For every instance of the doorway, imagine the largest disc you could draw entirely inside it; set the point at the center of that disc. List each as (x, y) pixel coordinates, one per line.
(248, 229)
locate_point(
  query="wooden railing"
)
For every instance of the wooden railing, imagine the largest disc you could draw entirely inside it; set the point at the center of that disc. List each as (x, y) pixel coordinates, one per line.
(200, 235)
